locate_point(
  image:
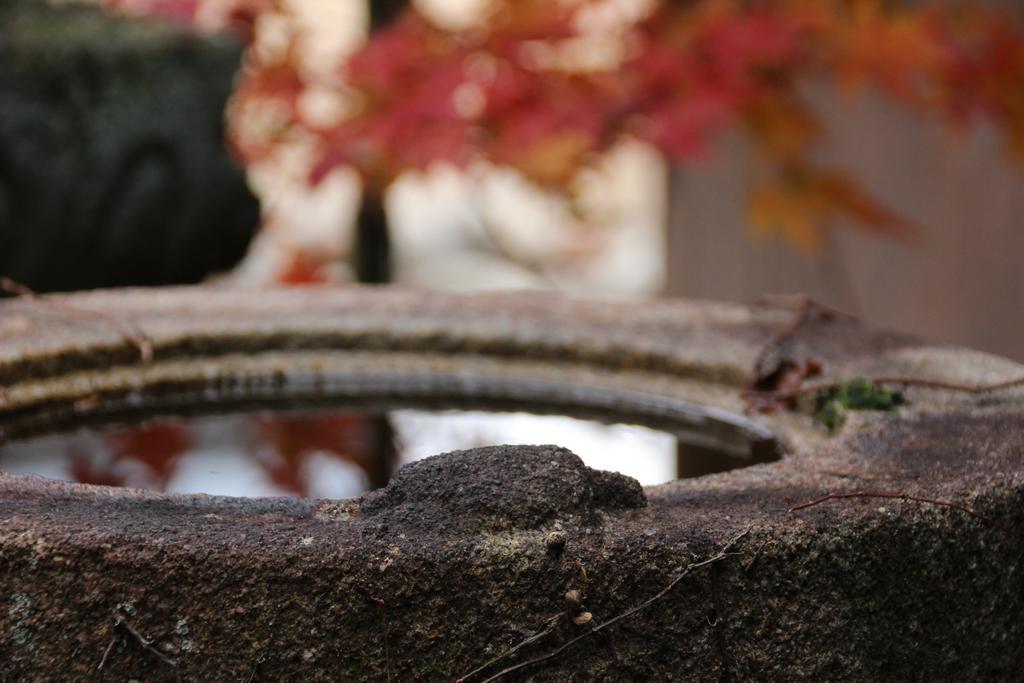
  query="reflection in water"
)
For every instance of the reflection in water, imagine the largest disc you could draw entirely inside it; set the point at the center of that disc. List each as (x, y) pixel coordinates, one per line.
(332, 455)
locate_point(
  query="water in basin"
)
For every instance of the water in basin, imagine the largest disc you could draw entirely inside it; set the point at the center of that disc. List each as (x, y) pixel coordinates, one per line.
(341, 453)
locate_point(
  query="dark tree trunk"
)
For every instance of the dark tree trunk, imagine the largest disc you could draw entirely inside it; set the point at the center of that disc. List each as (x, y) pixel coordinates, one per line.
(383, 12)
(372, 252)
(372, 264)
(372, 257)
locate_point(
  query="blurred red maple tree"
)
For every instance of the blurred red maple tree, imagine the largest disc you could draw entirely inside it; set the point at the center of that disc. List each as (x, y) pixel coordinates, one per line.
(534, 86)
(530, 86)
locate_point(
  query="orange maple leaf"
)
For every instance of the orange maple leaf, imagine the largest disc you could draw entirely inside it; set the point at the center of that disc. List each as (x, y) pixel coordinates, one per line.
(806, 200)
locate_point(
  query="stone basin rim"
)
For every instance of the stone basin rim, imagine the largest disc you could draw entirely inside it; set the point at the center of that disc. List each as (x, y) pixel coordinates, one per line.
(212, 370)
(781, 607)
(219, 350)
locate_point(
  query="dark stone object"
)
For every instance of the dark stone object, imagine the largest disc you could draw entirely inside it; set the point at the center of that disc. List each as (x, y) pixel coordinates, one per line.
(113, 163)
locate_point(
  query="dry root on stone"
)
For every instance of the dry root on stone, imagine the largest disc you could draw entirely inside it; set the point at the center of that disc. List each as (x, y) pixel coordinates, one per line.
(121, 621)
(725, 551)
(896, 495)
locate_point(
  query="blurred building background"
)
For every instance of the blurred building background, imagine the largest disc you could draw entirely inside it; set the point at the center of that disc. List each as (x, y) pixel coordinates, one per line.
(958, 281)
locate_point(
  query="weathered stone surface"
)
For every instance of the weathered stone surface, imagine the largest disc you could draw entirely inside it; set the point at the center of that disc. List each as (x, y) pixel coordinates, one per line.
(113, 163)
(416, 583)
(498, 488)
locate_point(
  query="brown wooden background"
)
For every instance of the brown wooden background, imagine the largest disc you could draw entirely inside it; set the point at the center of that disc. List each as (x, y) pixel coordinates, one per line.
(963, 281)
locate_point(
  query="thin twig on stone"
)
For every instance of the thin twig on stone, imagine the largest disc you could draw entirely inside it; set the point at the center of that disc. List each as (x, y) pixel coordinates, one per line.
(803, 313)
(106, 652)
(776, 376)
(723, 553)
(804, 308)
(895, 495)
(121, 620)
(551, 622)
(917, 382)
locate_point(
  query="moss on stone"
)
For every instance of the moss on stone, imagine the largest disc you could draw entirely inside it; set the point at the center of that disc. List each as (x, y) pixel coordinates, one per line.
(831, 406)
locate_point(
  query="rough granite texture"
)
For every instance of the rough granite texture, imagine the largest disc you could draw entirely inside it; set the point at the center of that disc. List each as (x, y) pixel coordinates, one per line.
(465, 557)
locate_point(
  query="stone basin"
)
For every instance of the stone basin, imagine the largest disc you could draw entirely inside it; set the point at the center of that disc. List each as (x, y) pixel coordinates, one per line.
(511, 562)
